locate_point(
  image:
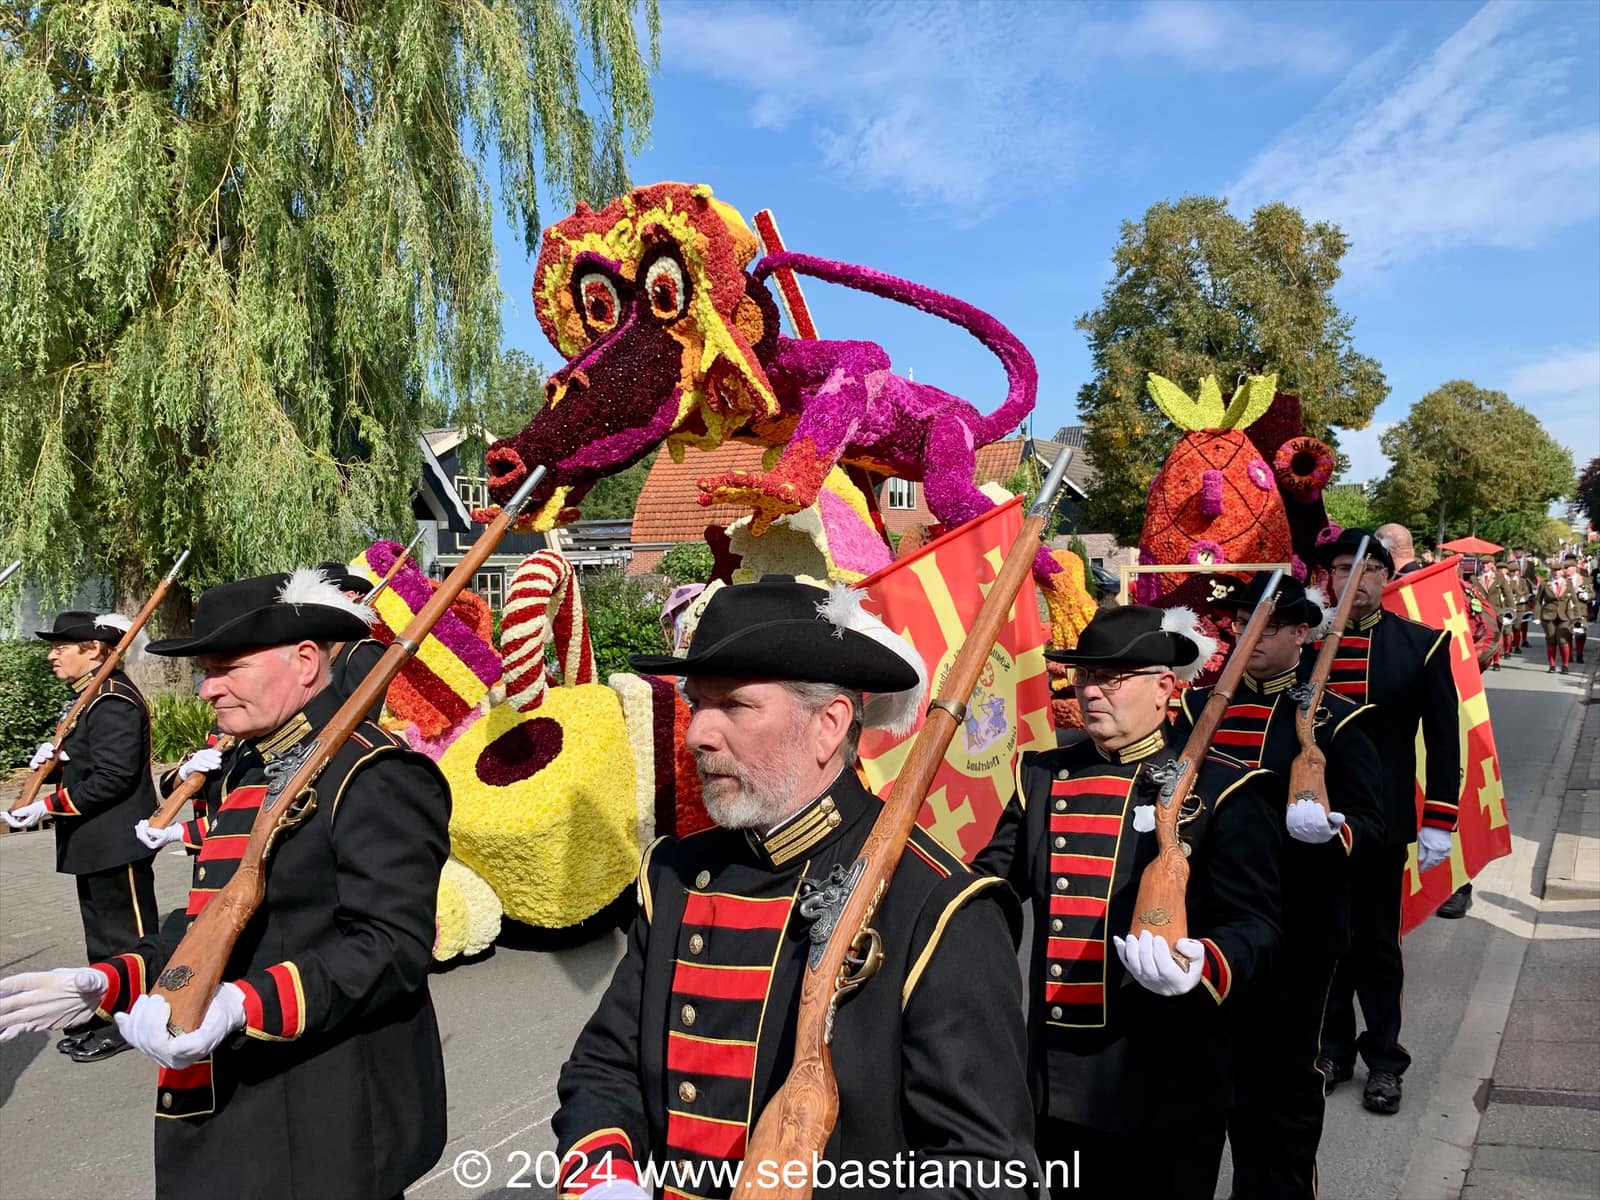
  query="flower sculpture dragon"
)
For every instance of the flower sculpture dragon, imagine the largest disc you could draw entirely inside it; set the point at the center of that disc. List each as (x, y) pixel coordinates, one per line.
(671, 337)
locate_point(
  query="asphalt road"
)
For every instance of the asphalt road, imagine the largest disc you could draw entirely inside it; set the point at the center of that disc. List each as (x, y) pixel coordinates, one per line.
(70, 1130)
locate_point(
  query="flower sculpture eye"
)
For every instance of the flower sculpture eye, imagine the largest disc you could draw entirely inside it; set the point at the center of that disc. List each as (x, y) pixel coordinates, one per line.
(1260, 474)
(1207, 553)
(601, 304)
(664, 286)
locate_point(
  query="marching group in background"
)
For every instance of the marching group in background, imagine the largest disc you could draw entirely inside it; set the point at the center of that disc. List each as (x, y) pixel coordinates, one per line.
(317, 1070)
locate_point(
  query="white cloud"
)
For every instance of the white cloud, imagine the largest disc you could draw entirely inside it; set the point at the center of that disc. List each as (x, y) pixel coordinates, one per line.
(957, 105)
(1479, 144)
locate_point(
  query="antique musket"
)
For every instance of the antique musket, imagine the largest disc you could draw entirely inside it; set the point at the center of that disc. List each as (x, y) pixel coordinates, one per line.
(181, 795)
(35, 781)
(845, 951)
(1160, 906)
(195, 969)
(9, 572)
(1308, 773)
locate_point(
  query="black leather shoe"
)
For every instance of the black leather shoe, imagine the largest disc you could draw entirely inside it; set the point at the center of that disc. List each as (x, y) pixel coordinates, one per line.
(1455, 907)
(1333, 1074)
(1382, 1094)
(73, 1040)
(102, 1044)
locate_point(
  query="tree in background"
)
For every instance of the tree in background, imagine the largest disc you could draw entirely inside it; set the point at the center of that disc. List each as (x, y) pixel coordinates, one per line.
(1347, 506)
(1464, 453)
(1586, 492)
(1197, 292)
(687, 562)
(246, 251)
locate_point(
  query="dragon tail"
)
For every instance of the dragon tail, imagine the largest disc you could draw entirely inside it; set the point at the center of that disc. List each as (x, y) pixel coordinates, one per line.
(1022, 375)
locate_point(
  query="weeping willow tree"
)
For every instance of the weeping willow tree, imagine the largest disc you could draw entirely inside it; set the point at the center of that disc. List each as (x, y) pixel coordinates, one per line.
(246, 253)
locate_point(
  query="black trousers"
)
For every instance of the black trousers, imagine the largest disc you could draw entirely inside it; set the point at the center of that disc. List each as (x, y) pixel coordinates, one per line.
(1275, 1125)
(1178, 1163)
(1372, 969)
(118, 908)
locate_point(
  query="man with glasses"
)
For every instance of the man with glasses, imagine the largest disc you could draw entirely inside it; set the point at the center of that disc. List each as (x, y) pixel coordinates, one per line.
(1128, 1043)
(1276, 1121)
(1403, 669)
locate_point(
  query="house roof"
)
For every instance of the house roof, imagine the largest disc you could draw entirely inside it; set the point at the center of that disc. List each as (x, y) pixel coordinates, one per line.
(446, 487)
(443, 440)
(1080, 471)
(668, 509)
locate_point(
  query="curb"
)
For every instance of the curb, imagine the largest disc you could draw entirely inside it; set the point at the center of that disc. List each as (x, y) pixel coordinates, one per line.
(1565, 878)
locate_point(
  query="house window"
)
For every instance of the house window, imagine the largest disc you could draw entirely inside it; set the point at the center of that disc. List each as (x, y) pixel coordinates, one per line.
(473, 490)
(900, 493)
(1100, 562)
(491, 585)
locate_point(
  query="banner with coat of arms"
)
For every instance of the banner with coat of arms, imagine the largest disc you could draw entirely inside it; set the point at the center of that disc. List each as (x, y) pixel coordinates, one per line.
(931, 598)
(1434, 597)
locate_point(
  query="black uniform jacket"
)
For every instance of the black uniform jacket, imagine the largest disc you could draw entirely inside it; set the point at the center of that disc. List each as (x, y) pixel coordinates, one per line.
(1106, 1052)
(352, 664)
(696, 1030)
(335, 1088)
(1403, 670)
(104, 788)
(1259, 730)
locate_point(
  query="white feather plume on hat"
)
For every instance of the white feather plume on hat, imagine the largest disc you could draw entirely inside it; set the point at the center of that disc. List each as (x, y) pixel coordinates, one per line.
(122, 624)
(1185, 623)
(895, 712)
(1326, 607)
(308, 585)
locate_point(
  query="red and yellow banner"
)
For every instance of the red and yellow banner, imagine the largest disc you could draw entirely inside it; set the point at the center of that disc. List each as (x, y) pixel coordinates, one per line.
(931, 598)
(1434, 597)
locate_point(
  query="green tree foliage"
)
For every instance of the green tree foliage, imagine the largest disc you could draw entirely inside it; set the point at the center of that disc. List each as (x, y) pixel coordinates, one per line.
(246, 251)
(1347, 506)
(30, 700)
(178, 726)
(1587, 492)
(1197, 292)
(624, 618)
(1464, 453)
(687, 562)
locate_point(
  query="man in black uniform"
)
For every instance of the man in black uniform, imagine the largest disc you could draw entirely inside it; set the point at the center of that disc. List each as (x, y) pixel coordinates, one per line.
(695, 1033)
(1130, 1056)
(1403, 669)
(317, 1070)
(1276, 1121)
(102, 785)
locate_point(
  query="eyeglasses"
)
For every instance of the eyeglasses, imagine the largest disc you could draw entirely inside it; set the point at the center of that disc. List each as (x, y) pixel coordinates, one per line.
(1342, 570)
(1107, 681)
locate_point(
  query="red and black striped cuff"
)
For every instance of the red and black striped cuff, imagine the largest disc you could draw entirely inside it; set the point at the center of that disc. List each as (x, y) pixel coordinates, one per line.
(274, 1003)
(125, 982)
(194, 834)
(60, 804)
(1216, 974)
(1346, 838)
(597, 1158)
(1440, 816)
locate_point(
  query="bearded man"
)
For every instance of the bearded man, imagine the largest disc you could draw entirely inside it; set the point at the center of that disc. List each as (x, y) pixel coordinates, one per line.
(695, 1033)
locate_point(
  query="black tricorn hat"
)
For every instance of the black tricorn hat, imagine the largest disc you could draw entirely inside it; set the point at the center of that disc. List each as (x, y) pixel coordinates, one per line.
(1137, 636)
(269, 610)
(779, 628)
(78, 626)
(1295, 605)
(1348, 542)
(344, 579)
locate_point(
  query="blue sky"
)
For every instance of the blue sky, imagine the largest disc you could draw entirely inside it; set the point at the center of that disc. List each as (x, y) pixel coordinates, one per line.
(993, 150)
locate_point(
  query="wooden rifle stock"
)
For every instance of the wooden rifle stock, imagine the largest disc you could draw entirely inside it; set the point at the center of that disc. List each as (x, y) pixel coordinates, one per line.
(1308, 773)
(195, 969)
(796, 1124)
(185, 791)
(35, 780)
(1161, 906)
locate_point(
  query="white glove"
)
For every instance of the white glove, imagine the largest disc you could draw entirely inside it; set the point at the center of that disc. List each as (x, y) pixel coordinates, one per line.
(1433, 847)
(144, 1028)
(1148, 960)
(154, 839)
(207, 760)
(616, 1189)
(1307, 822)
(1505, 620)
(25, 817)
(45, 752)
(38, 1000)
